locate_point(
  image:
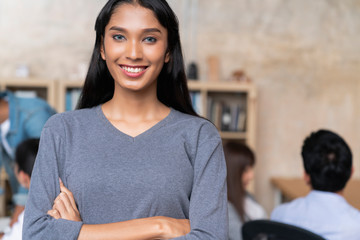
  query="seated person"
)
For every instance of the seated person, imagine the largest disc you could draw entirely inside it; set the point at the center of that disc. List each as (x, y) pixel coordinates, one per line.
(24, 161)
(242, 207)
(328, 166)
(20, 118)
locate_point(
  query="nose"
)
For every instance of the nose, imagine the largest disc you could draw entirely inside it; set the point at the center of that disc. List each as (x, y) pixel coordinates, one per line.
(134, 50)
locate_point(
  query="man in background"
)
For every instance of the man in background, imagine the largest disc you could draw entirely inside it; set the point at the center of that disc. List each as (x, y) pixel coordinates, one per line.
(328, 167)
(20, 119)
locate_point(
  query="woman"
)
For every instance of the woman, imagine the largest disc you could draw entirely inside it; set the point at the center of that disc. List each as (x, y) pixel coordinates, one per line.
(240, 161)
(135, 151)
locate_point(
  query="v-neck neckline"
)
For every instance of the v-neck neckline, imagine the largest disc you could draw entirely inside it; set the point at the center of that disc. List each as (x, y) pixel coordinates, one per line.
(143, 134)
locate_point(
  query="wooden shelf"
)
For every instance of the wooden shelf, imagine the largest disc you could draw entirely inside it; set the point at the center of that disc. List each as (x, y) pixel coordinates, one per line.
(54, 92)
(228, 92)
(44, 88)
(221, 86)
(64, 87)
(233, 135)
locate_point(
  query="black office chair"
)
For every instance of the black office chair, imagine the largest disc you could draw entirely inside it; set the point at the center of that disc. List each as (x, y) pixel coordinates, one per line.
(272, 230)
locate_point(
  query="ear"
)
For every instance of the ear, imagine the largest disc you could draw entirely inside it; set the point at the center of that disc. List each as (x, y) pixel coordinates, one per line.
(167, 57)
(307, 178)
(25, 179)
(102, 49)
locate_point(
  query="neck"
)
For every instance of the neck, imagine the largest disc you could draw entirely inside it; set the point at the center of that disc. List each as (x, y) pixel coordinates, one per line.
(135, 112)
(341, 193)
(134, 106)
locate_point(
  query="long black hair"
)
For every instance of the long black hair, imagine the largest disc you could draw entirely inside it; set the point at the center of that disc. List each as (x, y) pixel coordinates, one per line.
(172, 87)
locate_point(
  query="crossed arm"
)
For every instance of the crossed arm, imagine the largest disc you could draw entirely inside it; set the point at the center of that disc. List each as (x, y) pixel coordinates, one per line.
(144, 228)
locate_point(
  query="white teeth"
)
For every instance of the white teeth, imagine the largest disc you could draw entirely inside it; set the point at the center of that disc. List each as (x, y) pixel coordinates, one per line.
(132, 70)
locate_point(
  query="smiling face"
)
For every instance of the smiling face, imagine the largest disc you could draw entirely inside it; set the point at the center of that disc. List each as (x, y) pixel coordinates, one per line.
(134, 48)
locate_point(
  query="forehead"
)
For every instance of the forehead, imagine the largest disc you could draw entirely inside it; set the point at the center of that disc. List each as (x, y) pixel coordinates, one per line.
(134, 16)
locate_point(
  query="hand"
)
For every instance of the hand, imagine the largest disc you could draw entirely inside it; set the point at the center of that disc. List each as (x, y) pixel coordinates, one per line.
(64, 206)
(17, 211)
(172, 228)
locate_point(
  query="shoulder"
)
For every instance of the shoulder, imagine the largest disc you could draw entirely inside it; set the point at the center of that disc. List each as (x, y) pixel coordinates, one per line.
(184, 117)
(253, 209)
(353, 212)
(195, 125)
(32, 102)
(278, 212)
(200, 138)
(288, 208)
(70, 119)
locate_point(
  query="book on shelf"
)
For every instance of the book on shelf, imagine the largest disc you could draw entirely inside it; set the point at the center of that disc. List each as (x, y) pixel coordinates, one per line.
(226, 118)
(227, 115)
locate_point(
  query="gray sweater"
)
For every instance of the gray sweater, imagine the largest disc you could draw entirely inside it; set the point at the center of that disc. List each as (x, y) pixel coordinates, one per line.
(174, 169)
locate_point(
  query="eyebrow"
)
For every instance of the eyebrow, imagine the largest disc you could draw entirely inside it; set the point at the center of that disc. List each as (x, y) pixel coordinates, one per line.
(146, 30)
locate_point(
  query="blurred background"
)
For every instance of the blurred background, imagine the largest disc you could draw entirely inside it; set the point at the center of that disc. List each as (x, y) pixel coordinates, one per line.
(302, 56)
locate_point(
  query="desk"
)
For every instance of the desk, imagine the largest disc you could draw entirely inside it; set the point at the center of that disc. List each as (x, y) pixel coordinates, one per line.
(291, 188)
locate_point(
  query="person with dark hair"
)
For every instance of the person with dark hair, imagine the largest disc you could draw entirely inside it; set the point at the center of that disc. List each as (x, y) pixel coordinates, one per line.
(20, 118)
(242, 207)
(328, 167)
(25, 156)
(135, 160)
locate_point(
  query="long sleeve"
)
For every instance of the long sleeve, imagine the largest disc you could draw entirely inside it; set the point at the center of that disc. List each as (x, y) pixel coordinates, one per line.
(175, 169)
(208, 201)
(44, 188)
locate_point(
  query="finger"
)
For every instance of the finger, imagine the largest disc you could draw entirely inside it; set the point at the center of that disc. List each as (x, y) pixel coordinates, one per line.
(66, 201)
(68, 198)
(61, 183)
(60, 206)
(62, 186)
(54, 213)
(69, 193)
(63, 206)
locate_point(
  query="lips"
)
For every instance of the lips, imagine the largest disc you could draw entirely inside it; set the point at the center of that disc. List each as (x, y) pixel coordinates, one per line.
(133, 71)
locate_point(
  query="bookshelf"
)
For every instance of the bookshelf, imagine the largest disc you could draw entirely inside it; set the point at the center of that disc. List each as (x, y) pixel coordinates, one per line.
(209, 99)
(204, 94)
(231, 106)
(56, 92)
(69, 92)
(29, 87)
